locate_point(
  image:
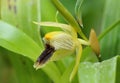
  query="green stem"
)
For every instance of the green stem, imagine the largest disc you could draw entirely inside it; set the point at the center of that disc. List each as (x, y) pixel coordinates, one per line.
(108, 30)
(69, 18)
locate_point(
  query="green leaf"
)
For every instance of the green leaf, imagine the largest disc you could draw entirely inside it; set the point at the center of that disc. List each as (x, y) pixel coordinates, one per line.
(26, 12)
(15, 40)
(66, 75)
(100, 15)
(110, 45)
(53, 72)
(70, 7)
(65, 78)
(110, 28)
(18, 69)
(21, 13)
(91, 11)
(104, 72)
(48, 13)
(88, 55)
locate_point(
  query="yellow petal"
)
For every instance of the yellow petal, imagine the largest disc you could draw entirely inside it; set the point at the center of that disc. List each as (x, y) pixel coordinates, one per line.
(64, 27)
(60, 40)
(78, 56)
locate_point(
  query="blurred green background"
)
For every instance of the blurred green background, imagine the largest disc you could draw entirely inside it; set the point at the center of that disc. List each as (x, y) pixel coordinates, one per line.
(16, 68)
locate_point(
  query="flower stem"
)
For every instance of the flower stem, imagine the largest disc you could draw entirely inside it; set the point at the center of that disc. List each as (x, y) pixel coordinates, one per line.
(108, 30)
(69, 18)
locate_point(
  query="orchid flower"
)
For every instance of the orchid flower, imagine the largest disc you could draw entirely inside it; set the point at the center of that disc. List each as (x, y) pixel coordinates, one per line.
(59, 44)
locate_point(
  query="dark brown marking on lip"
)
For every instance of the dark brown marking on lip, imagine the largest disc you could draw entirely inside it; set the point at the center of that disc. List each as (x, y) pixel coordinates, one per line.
(46, 54)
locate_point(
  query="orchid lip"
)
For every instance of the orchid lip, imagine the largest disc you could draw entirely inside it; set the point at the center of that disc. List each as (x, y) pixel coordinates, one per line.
(45, 56)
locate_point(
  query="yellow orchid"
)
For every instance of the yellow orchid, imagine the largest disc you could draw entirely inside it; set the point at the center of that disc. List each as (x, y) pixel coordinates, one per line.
(61, 43)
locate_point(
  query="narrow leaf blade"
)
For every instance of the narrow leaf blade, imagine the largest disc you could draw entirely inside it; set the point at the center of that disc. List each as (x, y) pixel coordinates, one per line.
(17, 41)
